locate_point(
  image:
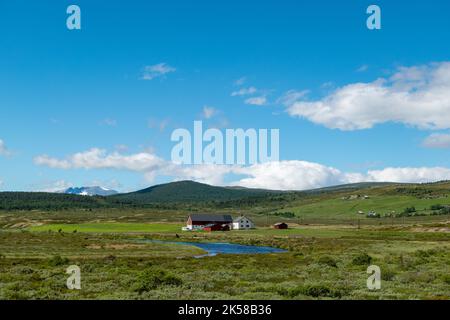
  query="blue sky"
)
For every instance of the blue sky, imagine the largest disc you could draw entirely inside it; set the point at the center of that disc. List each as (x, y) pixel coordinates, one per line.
(65, 92)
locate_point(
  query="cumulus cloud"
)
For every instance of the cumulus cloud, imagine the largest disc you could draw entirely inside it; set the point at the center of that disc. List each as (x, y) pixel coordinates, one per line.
(244, 92)
(204, 173)
(417, 96)
(437, 140)
(276, 175)
(302, 175)
(157, 70)
(55, 186)
(257, 101)
(412, 175)
(209, 112)
(96, 158)
(3, 149)
(289, 175)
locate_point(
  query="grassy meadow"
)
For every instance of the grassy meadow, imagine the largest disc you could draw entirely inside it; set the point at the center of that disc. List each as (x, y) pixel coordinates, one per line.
(329, 247)
(322, 262)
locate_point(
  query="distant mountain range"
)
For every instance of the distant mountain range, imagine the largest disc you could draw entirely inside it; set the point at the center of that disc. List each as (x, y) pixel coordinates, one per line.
(90, 191)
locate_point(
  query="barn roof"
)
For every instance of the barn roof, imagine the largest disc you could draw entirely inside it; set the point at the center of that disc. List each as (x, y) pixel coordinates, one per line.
(211, 217)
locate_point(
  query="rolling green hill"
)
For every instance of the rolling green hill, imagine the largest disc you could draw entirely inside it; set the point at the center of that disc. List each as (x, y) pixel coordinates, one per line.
(190, 191)
(383, 199)
(353, 201)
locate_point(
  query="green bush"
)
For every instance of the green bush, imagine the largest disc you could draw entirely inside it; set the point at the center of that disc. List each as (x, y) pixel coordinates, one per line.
(327, 260)
(387, 274)
(57, 261)
(409, 210)
(436, 207)
(152, 279)
(446, 278)
(362, 259)
(315, 291)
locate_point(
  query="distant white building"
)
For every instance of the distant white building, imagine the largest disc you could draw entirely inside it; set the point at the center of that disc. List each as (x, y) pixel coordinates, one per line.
(243, 223)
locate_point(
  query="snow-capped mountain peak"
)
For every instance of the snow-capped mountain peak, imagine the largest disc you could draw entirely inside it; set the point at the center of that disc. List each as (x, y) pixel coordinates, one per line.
(90, 191)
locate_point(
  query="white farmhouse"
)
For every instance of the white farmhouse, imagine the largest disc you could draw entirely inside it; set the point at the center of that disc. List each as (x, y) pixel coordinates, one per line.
(243, 223)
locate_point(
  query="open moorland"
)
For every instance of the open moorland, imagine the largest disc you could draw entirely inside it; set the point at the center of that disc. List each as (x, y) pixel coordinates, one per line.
(330, 242)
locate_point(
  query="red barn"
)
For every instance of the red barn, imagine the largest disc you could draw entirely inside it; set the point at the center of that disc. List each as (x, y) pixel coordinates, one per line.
(217, 227)
(200, 221)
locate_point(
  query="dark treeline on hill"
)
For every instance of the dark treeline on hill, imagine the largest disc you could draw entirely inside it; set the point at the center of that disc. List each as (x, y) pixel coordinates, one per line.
(189, 195)
(48, 201)
(166, 196)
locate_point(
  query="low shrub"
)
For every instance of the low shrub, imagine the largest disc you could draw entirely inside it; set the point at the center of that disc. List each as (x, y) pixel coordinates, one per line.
(56, 261)
(327, 260)
(387, 274)
(362, 259)
(152, 279)
(446, 278)
(315, 291)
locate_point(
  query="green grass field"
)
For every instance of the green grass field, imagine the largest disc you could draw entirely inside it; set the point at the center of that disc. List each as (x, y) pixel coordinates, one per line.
(321, 263)
(112, 227)
(348, 209)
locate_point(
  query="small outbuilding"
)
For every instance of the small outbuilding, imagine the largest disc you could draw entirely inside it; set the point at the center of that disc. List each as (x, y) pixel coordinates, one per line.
(280, 225)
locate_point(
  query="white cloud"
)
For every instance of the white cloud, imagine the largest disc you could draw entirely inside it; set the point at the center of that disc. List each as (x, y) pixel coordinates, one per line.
(302, 175)
(280, 175)
(292, 96)
(96, 158)
(55, 186)
(244, 91)
(112, 184)
(157, 70)
(3, 149)
(416, 96)
(362, 68)
(290, 175)
(161, 125)
(108, 122)
(240, 81)
(257, 101)
(416, 175)
(121, 147)
(204, 173)
(437, 140)
(209, 112)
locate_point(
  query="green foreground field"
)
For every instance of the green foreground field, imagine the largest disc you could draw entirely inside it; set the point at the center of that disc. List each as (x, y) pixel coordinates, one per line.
(322, 262)
(112, 227)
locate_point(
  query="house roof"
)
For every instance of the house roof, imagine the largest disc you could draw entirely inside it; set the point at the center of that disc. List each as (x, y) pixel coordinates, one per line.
(239, 218)
(211, 217)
